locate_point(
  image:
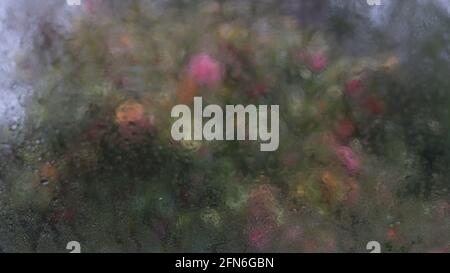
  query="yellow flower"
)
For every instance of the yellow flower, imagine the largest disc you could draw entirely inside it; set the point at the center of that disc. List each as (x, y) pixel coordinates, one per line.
(301, 191)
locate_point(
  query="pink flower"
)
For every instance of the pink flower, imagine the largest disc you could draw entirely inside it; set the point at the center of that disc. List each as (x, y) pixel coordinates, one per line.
(258, 90)
(92, 6)
(348, 158)
(205, 70)
(317, 62)
(259, 237)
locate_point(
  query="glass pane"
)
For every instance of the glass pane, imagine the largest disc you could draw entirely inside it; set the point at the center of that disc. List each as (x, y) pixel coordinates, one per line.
(224, 126)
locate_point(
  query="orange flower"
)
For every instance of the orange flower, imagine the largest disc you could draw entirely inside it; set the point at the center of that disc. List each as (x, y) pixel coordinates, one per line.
(47, 176)
(128, 112)
(125, 41)
(48, 173)
(331, 188)
(132, 121)
(187, 90)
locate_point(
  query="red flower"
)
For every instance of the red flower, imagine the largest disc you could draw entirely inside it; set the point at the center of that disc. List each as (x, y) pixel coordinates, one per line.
(345, 129)
(258, 90)
(373, 105)
(354, 87)
(258, 237)
(391, 234)
(316, 61)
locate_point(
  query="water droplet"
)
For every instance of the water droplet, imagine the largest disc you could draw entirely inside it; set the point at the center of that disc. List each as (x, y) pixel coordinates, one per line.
(44, 182)
(13, 126)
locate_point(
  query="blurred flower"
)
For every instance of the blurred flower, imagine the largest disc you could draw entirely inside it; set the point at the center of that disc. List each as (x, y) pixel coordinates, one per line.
(211, 217)
(392, 233)
(232, 32)
(120, 43)
(48, 174)
(373, 105)
(317, 62)
(264, 215)
(331, 188)
(258, 90)
(132, 122)
(205, 70)
(47, 185)
(391, 62)
(129, 111)
(348, 158)
(259, 237)
(354, 87)
(334, 92)
(305, 74)
(187, 90)
(262, 203)
(345, 129)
